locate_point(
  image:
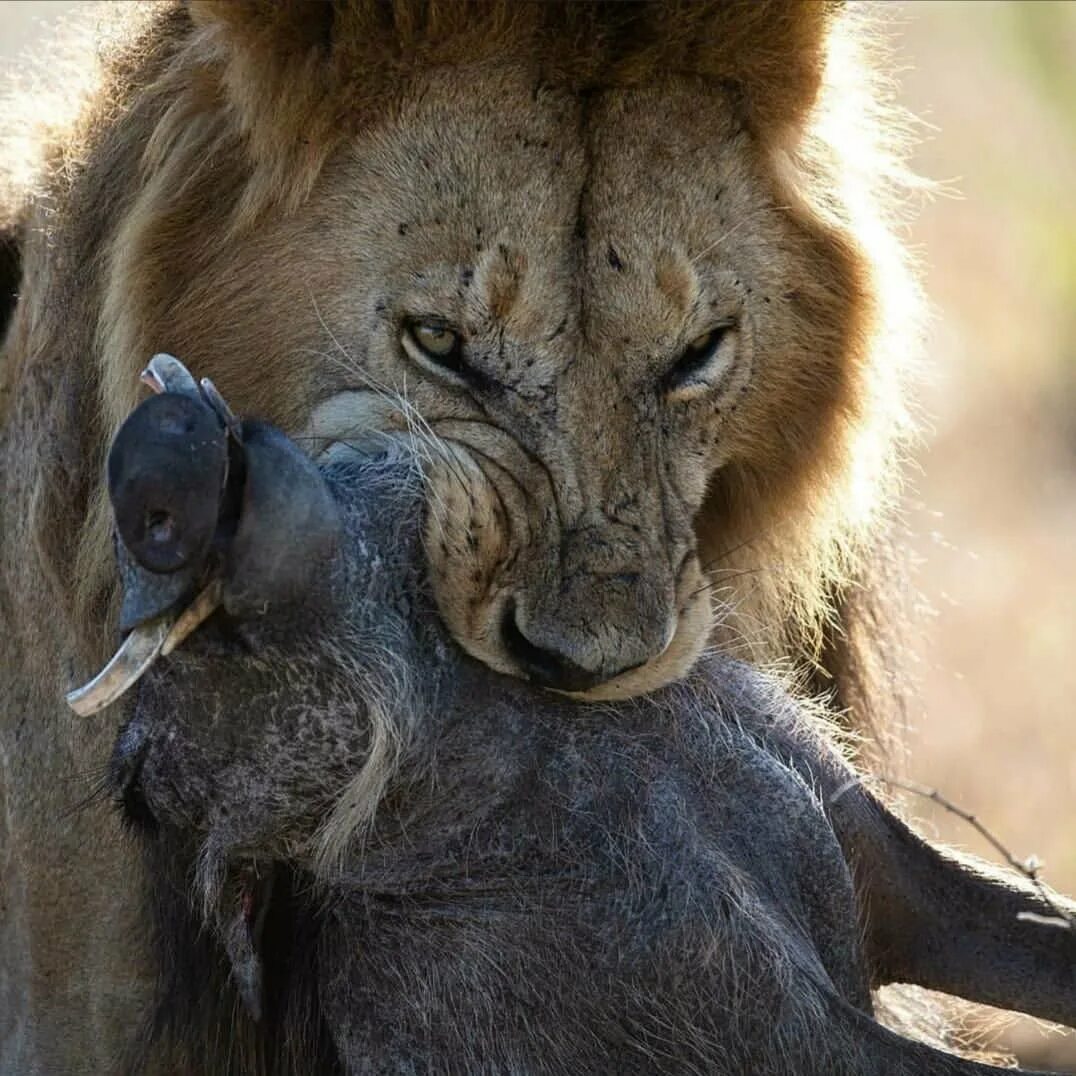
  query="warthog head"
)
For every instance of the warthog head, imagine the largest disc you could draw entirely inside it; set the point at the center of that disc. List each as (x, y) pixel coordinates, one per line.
(400, 860)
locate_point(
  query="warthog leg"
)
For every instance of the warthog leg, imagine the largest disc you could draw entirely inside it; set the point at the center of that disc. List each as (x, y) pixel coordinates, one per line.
(954, 923)
(881, 1052)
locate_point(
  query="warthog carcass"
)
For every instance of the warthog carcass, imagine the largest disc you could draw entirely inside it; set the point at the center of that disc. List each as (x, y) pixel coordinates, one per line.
(371, 853)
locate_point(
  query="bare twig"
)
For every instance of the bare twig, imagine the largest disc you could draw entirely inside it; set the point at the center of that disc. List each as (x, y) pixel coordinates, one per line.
(1028, 867)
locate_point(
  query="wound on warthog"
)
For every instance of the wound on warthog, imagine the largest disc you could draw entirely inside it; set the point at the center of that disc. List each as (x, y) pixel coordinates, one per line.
(291, 1035)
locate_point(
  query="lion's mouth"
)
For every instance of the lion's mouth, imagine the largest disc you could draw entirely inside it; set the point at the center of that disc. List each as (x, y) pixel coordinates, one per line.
(474, 571)
(546, 667)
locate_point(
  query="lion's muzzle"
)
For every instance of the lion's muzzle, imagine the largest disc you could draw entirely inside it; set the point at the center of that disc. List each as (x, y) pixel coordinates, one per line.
(604, 606)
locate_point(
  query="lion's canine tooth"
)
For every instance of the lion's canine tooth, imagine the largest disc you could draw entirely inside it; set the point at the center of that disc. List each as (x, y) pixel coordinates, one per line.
(137, 653)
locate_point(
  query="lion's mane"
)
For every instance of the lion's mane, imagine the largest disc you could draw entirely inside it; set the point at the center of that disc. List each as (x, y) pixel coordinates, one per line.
(201, 119)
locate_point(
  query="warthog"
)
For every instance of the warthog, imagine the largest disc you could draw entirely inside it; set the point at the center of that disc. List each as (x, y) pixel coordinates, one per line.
(371, 853)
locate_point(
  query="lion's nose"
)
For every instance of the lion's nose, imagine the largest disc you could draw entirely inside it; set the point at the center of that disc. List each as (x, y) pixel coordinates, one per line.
(554, 662)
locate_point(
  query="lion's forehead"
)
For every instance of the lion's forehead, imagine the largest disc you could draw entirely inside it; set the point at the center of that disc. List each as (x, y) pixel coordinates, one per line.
(550, 216)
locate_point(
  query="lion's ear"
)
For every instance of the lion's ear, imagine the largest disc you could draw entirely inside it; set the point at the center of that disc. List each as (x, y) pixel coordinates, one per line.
(772, 50)
(283, 24)
(275, 59)
(301, 75)
(771, 53)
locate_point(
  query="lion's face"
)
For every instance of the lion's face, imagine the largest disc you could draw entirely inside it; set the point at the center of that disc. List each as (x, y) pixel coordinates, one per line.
(579, 301)
(587, 311)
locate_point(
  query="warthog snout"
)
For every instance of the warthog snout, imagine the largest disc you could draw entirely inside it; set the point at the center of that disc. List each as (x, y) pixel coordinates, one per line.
(210, 512)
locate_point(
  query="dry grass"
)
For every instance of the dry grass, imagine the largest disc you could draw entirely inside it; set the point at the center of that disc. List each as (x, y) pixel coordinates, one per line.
(994, 514)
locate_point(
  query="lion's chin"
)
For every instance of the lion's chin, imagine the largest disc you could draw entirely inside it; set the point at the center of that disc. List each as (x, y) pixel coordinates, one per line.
(687, 644)
(671, 665)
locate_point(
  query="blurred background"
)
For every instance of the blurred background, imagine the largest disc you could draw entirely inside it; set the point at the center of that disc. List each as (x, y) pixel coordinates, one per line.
(993, 504)
(993, 511)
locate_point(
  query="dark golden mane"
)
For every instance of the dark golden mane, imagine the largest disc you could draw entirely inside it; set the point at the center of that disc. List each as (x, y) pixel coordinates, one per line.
(306, 81)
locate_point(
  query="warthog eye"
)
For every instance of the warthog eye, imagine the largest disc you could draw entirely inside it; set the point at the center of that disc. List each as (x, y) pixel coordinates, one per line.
(437, 345)
(703, 360)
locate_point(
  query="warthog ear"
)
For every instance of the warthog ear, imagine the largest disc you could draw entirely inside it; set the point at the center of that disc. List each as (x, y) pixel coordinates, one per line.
(953, 923)
(240, 921)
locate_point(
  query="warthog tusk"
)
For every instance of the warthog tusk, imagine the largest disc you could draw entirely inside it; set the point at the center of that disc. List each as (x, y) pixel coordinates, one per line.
(134, 657)
(165, 373)
(151, 380)
(199, 610)
(139, 651)
(212, 396)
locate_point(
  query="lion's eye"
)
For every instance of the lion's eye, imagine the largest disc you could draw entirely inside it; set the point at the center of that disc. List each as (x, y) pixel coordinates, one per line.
(437, 345)
(703, 359)
(437, 341)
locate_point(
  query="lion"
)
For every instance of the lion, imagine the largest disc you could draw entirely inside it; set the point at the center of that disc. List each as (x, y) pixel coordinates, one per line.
(625, 275)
